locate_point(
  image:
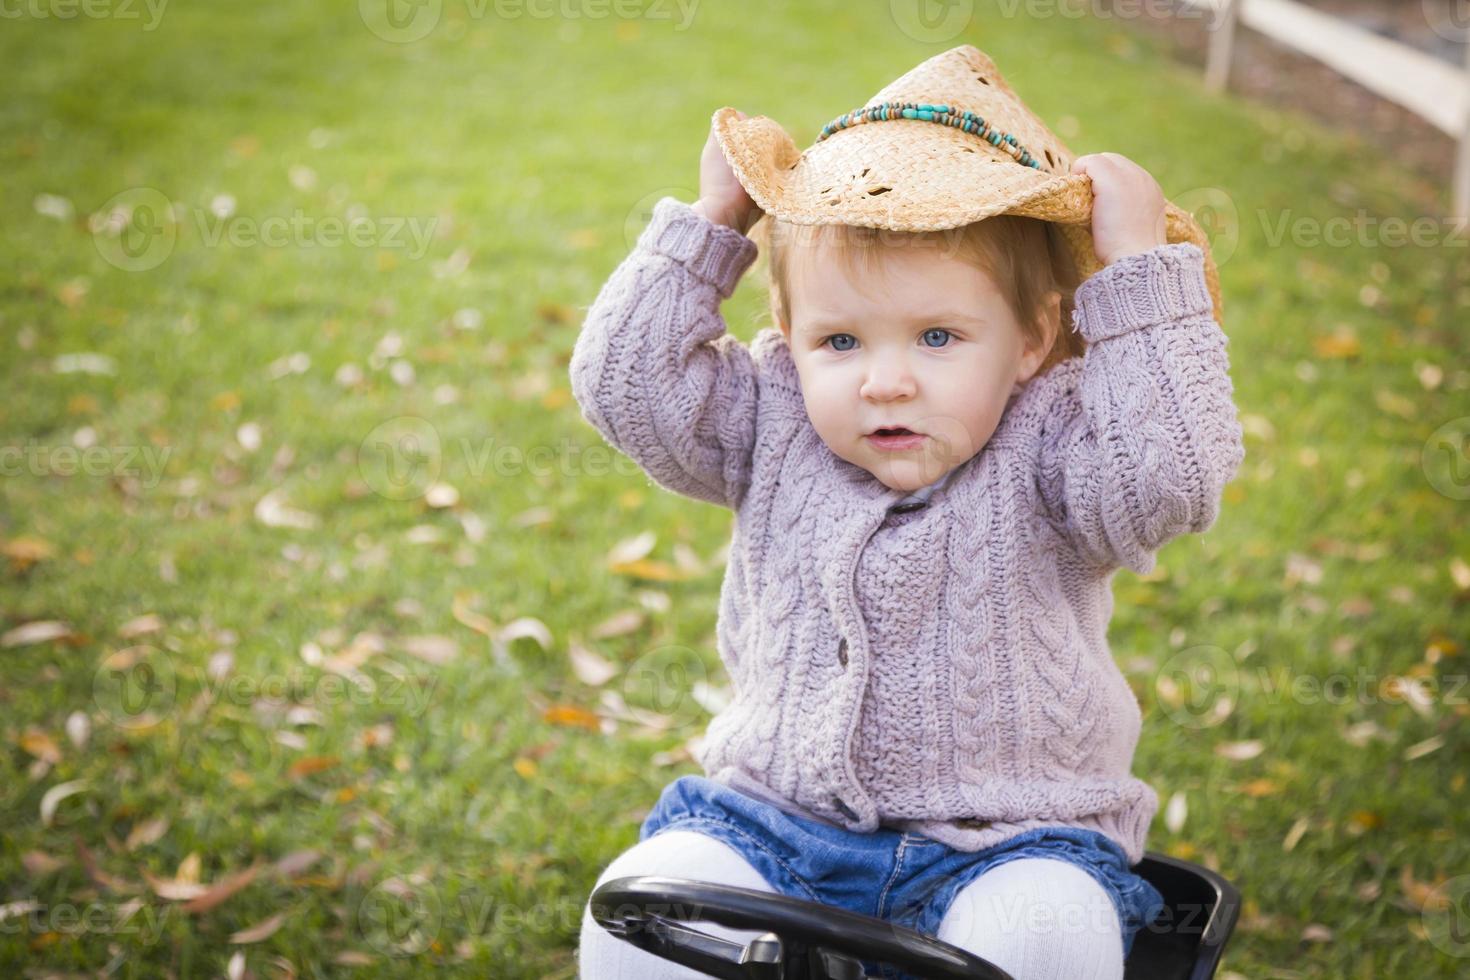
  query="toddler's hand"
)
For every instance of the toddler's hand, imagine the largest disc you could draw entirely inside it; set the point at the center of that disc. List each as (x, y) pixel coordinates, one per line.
(1127, 206)
(721, 197)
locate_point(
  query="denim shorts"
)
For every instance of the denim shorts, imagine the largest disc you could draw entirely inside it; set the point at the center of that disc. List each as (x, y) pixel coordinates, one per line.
(900, 877)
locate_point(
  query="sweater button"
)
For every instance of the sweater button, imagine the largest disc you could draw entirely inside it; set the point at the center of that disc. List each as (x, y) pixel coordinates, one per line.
(846, 810)
(842, 651)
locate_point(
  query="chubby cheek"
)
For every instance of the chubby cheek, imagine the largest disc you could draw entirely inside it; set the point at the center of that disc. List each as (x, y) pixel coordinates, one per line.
(966, 404)
(830, 409)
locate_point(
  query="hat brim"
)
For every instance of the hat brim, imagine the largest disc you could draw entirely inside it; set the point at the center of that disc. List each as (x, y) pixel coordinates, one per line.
(864, 176)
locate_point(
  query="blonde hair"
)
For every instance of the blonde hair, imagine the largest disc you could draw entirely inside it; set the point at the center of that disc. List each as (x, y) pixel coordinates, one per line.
(1026, 257)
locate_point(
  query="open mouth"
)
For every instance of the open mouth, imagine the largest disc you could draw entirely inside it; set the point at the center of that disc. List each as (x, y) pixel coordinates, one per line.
(895, 438)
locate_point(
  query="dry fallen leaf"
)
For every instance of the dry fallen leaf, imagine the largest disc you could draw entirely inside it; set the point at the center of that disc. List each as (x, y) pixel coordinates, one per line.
(528, 627)
(437, 650)
(311, 765)
(272, 510)
(39, 863)
(441, 495)
(259, 931)
(1240, 751)
(145, 833)
(1394, 403)
(653, 571)
(1420, 749)
(460, 608)
(618, 624)
(40, 745)
(23, 552)
(632, 549)
(1258, 788)
(351, 957)
(1361, 733)
(140, 626)
(79, 728)
(1176, 811)
(94, 870)
(296, 862)
(590, 667)
(190, 869)
(174, 890)
(1294, 835)
(1360, 821)
(221, 891)
(40, 631)
(1341, 343)
(53, 797)
(1423, 895)
(572, 716)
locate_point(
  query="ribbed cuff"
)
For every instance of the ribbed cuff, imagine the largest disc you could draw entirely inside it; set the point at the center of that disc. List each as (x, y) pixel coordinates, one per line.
(715, 253)
(1165, 283)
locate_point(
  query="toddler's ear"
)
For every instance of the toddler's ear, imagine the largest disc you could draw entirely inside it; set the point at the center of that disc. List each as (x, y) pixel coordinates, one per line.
(1049, 321)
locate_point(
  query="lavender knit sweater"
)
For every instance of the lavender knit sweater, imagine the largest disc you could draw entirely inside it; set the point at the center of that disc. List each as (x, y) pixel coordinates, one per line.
(942, 668)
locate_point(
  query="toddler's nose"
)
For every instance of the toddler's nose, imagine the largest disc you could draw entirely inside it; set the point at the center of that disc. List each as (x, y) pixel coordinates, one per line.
(888, 383)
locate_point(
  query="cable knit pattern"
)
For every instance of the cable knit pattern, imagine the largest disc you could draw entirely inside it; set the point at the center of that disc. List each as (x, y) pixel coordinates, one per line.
(942, 668)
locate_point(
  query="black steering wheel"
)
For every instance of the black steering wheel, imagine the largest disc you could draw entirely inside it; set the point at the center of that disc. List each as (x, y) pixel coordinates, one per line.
(802, 941)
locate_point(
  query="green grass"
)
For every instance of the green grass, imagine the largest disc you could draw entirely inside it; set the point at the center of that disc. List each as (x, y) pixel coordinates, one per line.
(528, 143)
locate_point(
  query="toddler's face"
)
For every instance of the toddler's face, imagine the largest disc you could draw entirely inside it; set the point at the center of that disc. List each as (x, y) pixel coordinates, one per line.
(928, 343)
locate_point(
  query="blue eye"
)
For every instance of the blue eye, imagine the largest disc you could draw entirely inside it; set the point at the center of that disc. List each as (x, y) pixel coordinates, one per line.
(936, 330)
(839, 336)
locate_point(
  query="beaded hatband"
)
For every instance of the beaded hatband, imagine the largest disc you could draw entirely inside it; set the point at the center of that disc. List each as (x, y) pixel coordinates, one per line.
(960, 119)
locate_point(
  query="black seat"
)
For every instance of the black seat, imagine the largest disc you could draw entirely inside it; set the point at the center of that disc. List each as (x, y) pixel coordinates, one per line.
(1186, 939)
(811, 941)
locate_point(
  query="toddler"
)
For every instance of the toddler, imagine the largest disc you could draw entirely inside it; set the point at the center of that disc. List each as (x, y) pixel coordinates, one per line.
(937, 459)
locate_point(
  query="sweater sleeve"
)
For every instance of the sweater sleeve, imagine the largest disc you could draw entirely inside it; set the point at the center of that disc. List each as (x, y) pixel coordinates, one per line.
(653, 368)
(1153, 436)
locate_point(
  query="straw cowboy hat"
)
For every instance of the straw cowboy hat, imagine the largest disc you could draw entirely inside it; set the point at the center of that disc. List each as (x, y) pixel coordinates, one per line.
(946, 144)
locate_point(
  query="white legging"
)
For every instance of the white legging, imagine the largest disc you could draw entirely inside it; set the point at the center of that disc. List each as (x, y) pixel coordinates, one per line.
(1036, 918)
